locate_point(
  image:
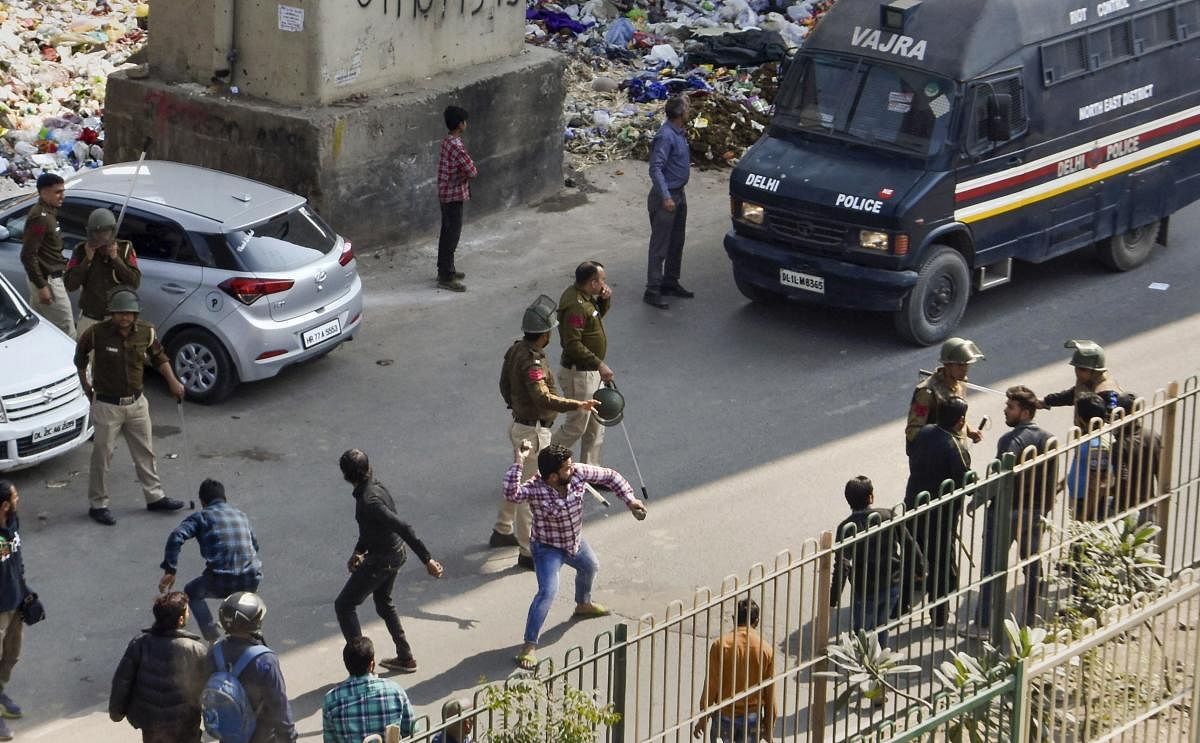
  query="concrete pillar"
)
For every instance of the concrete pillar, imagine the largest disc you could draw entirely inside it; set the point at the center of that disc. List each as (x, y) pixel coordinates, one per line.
(342, 100)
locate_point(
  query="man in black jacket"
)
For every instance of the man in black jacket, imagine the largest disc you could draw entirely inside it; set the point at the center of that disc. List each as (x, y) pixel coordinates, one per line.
(158, 681)
(939, 454)
(1033, 498)
(874, 564)
(12, 594)
(377, 558)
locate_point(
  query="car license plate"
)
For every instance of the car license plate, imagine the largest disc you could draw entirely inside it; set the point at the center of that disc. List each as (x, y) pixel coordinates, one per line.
(52, 431)
(322, 333)
(804, 281)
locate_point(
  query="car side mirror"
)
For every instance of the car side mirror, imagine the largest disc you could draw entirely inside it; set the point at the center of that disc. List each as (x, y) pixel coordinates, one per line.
(4, 234)
(999, 117)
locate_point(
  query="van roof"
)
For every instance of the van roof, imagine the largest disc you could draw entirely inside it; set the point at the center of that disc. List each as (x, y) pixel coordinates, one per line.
(960, 39)
(230, 200)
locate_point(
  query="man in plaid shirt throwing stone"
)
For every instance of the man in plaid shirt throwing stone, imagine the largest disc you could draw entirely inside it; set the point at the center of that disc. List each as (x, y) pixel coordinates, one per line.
(555, 495)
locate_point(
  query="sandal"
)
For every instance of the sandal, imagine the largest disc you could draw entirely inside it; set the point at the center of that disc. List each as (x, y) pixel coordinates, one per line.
(527, 661)
(593, 610)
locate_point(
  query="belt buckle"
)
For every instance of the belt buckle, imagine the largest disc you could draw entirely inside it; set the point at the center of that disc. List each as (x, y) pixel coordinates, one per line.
(127, 400)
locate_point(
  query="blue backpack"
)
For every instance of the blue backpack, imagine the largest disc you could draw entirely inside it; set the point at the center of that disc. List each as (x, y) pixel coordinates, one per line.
(228, 715)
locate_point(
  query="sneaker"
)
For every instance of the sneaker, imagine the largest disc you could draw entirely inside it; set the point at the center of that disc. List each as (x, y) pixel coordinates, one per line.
(102, 516)
(164, 504)
(975, 631)
(459, 275)
(5, 733)
(451, 284)
(525, 562)
(678, 291)
(9, 708)
(654, 299)
(403, 666)
(503, 540)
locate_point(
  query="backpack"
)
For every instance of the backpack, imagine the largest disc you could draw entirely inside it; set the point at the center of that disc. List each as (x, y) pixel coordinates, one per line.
(228, 715)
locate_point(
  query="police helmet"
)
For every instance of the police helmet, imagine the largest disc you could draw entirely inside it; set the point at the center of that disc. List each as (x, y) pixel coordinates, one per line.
(101, 220)
(1088, 355)
(541, 316)
(960, 351)
(242, 614)
(611, 409)
(123, 299)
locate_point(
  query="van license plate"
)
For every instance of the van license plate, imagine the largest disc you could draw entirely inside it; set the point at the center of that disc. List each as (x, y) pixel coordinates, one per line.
(322, 333)
(804, 281)
(50, 432)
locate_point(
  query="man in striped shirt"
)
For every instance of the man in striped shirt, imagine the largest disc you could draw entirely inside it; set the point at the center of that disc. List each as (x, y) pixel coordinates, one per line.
(363, 704)
(555, 495)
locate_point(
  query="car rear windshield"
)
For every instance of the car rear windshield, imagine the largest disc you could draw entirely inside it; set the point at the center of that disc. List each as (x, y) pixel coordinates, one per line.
(284, 242)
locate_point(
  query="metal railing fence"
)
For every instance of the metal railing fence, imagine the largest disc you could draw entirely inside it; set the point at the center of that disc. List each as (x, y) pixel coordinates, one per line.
(1010, 541)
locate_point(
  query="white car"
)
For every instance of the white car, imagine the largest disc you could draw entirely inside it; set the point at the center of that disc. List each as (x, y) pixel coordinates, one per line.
(43, 411)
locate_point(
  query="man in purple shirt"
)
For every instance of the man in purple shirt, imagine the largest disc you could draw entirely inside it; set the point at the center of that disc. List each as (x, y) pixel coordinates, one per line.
(555, 496)
(670, 166)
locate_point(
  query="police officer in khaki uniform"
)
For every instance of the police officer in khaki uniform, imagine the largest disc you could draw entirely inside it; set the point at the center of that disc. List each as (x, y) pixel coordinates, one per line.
(122, 345)
(42, 255)
(527, 386)
(581, 314)
(99, 265)
(946, 381)
(1091, 376)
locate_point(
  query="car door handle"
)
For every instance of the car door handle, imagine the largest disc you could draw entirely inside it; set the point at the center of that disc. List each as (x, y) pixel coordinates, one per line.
(1016, 160)
(174, 289)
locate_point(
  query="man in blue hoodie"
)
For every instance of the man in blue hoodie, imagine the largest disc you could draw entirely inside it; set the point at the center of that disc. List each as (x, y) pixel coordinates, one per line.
(12, 593)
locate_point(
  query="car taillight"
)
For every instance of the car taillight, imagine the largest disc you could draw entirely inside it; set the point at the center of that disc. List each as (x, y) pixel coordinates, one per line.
(247, 291)
(347, 253)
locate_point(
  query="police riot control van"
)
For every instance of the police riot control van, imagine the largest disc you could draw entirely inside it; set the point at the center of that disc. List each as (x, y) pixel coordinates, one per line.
(919, 147)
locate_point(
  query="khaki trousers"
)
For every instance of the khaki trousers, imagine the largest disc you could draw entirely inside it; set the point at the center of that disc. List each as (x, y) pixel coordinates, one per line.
(519, 512)
(11, 630)
(133, 422)
(580, 385)
(59, 310)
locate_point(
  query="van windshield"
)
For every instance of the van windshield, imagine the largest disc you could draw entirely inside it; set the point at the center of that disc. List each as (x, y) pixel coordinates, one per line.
(860, 100)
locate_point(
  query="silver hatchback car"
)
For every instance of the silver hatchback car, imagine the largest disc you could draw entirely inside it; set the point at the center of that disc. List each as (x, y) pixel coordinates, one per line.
(242, 279)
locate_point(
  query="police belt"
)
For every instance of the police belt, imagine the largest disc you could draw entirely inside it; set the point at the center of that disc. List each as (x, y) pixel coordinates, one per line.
(54, 274)
(112, 400)
(533, 423)
(580, 367)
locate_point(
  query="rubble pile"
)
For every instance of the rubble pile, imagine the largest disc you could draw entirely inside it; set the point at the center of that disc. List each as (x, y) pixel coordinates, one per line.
(55, 58)
(627, 56)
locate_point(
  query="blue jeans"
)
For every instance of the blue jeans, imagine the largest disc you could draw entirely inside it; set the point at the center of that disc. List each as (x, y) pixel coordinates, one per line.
(875, 610)
(735, 730)
(209, 586)
(1026, 530)
(546, 562)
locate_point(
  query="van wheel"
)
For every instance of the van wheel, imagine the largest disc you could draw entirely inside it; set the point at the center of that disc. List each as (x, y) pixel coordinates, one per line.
(755, 293)
(202, 365)
(936, 303)
(1130, 249)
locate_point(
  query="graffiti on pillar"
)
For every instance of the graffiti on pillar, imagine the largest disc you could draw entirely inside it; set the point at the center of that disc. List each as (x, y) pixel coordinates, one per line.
(423, 8)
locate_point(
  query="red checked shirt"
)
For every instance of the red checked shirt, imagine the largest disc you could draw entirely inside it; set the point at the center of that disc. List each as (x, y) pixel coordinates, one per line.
(455, 171)
(557, 518)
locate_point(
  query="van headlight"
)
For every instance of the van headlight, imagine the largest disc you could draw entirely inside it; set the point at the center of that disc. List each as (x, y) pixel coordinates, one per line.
(752, 213)
(873, 240)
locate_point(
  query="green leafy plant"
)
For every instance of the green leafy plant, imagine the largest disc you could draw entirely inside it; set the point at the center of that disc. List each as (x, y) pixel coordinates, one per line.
(867, 666)
(529, 713)
(1111, 563)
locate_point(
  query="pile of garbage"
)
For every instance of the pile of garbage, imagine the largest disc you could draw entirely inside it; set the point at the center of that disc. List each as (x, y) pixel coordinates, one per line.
(628, 56)
(55, 58)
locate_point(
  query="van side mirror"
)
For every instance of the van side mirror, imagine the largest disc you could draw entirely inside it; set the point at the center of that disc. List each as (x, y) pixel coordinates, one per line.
(3, 232)
(999, 117)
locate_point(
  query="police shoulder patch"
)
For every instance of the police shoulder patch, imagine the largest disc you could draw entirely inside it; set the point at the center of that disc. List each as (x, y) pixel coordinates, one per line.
(578, 321)
(536, 374)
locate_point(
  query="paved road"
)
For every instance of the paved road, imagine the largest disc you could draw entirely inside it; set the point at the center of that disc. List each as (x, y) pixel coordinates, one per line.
(746, 421)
